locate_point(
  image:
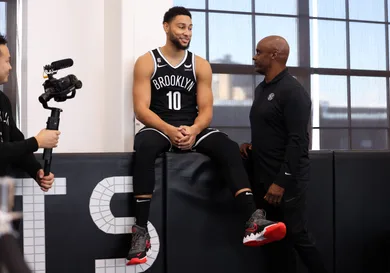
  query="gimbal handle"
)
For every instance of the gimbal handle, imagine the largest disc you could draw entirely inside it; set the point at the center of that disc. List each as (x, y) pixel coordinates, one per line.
(52, 123)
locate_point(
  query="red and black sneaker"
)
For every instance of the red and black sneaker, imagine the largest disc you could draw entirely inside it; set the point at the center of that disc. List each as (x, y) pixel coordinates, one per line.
(140, 245)
(260, 231)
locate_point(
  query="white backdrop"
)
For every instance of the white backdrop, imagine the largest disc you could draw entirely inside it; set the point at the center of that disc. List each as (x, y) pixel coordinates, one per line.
(104, 38)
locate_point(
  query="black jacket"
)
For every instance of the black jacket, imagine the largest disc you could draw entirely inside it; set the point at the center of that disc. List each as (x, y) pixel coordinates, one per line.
(279, 117)
(15, 150)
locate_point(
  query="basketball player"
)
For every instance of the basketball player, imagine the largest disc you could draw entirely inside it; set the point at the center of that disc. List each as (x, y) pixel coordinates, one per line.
(173, 98)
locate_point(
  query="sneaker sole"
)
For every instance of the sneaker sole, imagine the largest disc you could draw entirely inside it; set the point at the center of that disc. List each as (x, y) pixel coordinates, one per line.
(135, 261)
(271, 233)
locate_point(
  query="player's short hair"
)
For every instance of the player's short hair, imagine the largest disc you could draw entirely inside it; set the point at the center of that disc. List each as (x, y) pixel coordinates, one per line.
(175, 11)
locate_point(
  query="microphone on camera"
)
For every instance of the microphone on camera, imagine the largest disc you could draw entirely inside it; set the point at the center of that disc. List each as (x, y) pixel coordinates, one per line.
(60, 64)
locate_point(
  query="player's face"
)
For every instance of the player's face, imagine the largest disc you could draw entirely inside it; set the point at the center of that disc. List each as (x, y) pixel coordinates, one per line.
(262, 59)
(5, 65)
(180, 31)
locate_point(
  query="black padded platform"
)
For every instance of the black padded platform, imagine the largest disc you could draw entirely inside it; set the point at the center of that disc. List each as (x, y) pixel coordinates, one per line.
(204, 227)
(196, 217)
(320, 207)
(362, 215)
(73, 240)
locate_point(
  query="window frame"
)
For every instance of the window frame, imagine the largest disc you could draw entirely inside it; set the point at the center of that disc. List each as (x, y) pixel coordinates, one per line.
(304, 70)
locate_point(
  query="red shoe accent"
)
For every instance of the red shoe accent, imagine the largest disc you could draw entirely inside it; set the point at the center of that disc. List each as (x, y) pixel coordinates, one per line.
(252, 229)
(134, 261)
(271, 234)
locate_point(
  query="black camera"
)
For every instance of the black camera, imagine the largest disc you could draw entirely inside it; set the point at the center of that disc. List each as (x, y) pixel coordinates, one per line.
(59, 89)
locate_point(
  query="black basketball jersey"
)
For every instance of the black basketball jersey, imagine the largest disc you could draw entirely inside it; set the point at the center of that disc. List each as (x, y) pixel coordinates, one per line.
(174, 89)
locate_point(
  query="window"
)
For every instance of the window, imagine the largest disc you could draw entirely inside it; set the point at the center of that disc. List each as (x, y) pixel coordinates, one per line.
(350, 107)
(367, 10)
(198, 41)
(233, 95)
(283, 26)
(329, 101)
(277, 6)
(191, 4)
(328, 43)
(369, 139)
(368, 46)
(330, 139)
(226, 33)
(231, 89)
(340, 54)
(368, 102)
(229, 41)
(327, 8)
(231, 5)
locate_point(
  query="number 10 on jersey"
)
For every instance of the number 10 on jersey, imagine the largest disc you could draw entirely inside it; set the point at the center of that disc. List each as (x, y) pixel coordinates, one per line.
(174, 100)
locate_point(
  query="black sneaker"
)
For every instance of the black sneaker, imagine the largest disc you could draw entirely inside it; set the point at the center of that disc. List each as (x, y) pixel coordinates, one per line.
(260, 231)
(140, 245)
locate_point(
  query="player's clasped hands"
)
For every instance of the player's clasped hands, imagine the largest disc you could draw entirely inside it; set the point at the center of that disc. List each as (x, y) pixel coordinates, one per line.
(182, 137)
(188, 139)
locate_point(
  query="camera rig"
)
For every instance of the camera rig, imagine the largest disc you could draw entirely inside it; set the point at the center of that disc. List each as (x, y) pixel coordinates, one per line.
(60, 90)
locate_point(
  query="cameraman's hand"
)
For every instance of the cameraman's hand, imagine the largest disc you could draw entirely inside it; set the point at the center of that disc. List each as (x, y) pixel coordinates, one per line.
(48, 138)
(45, 182)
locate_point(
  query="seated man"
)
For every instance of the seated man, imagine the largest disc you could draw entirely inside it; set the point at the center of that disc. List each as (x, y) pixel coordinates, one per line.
(173, 98)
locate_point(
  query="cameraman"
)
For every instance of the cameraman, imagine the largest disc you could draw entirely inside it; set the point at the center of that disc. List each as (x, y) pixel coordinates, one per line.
(15, 150)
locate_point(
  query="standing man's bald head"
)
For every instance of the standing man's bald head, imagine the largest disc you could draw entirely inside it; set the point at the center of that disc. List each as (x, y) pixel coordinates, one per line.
(271, 56)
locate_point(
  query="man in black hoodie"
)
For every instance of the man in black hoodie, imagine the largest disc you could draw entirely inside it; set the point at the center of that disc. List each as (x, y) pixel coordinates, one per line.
(15, 150)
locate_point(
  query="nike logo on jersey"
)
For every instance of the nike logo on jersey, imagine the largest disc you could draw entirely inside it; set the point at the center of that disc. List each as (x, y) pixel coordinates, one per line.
(161, 65)
(188, 67)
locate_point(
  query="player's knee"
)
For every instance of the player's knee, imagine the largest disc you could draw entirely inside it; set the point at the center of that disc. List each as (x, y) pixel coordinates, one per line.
(232, 144)
(146, 147)
(149, 149)
(228, 145)
(226, 149)
(150, 143)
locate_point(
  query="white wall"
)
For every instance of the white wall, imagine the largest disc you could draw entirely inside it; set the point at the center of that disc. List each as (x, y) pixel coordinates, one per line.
(104, 38)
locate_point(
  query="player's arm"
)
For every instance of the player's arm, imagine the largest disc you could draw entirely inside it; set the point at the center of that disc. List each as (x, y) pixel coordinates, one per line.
(204, 95)
(143, 70)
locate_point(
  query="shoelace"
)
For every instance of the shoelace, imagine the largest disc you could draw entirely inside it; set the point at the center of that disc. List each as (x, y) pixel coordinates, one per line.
(257, 216)
(137, 241)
